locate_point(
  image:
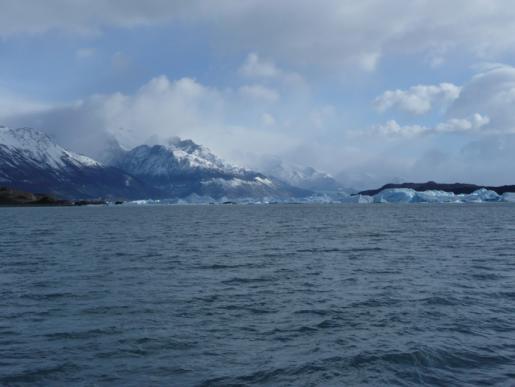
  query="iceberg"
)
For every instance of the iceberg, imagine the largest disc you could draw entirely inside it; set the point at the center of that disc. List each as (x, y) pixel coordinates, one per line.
(480, 196)
(408, 195)
(508, 197)
(435, 197)
(395, 195)
(362, 199)
(390, 195)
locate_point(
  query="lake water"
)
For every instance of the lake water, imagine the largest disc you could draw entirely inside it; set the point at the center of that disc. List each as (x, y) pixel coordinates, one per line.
(258, 295)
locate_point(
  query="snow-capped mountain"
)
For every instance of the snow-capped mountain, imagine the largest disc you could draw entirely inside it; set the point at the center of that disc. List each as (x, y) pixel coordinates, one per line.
(183, 168)
(31, 161)
(301, 176)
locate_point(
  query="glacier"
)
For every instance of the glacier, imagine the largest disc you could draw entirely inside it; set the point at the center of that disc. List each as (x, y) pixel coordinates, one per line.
(393, 195)
(407, 195)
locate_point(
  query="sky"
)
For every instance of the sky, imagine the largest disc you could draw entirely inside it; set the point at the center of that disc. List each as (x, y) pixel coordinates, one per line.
(370, 91)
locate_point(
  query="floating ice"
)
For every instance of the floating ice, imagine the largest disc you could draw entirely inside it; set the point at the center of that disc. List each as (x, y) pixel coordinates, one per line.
(392, 195)
(395, 195)
(508, 197)
(406, 195)
(480, 196)
(362, 199)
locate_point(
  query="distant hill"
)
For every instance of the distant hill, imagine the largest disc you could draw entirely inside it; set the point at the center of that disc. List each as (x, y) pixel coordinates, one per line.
(456, 188)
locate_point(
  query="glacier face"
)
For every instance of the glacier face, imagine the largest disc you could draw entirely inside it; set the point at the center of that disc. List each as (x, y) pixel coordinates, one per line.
(407, 195)
(393, 195)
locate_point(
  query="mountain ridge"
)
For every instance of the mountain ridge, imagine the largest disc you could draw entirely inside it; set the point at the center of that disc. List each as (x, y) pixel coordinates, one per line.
(31, 161)
(182, 168)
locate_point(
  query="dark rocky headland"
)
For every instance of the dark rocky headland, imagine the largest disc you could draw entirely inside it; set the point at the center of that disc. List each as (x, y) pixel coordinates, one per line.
(13, 197)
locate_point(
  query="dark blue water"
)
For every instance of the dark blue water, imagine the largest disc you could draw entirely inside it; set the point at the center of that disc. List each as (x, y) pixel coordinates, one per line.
(258, 295)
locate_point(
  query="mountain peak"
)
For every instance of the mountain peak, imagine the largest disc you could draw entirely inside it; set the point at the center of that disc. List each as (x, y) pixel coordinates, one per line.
(31, 161)
(37, 146)
(186, 145)
(302, 176)
(23, 137)
(182, 168)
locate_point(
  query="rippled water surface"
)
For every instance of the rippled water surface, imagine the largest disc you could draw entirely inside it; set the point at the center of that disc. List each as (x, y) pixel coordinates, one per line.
(258, 295)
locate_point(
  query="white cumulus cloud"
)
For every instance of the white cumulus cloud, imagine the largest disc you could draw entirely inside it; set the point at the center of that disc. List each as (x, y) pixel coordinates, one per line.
(454, 125)
(418, 99)
(392, 128)
(474, 122)
(493, 93)
(160, 109)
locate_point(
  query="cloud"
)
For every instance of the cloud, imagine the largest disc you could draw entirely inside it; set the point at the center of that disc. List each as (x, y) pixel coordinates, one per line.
(160, 109)
(120, 61)
(332, 34)
(392, 128)
(418, 99)
(254, 67)
(482, 114)
(258, 68)
(474, 122)
(491, 92)
(13, 104)
(453, 125)
(484, 104)
(321, 118)
(268, 119)
(487, 160)
(259, 92)
(84, 17)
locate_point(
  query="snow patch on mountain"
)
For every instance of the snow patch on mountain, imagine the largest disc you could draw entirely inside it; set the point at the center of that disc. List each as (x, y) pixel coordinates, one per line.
(37, 147)
(31, 161)
(300, 176)
(197, 156)
(182, 168)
